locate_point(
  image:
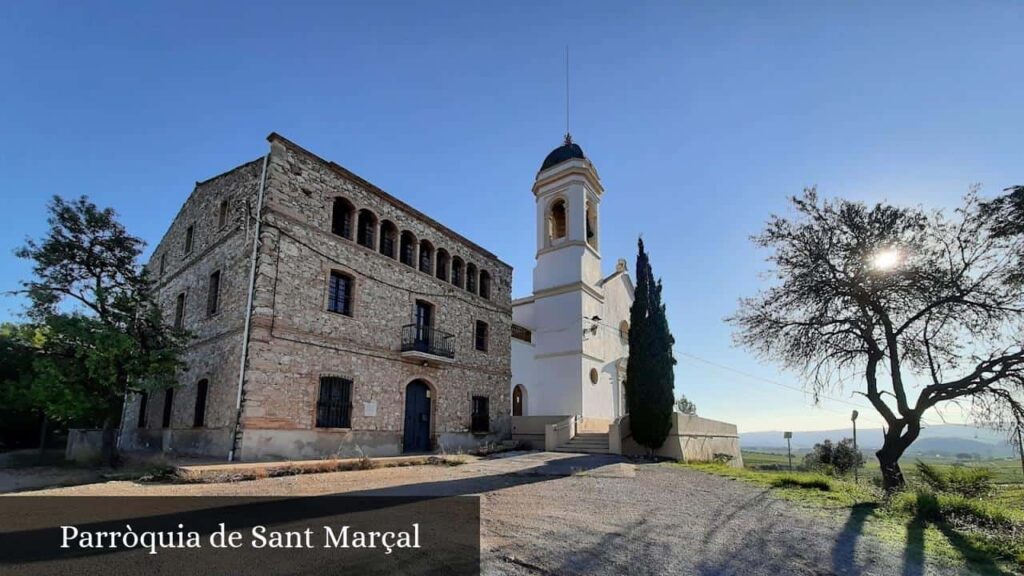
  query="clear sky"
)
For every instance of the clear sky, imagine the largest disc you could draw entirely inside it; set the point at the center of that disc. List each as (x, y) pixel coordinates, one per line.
(701, 117)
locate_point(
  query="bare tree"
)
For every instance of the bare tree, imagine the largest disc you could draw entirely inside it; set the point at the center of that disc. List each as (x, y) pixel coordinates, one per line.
(899, 299)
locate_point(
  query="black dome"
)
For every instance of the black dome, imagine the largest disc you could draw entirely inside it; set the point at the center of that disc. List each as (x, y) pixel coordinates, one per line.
(566, 151)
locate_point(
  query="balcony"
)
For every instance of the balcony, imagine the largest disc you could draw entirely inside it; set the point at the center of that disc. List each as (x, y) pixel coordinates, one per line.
(427, 343)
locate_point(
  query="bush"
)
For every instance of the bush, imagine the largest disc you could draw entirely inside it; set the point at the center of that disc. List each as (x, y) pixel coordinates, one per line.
(959, 480)
(722, 458)
(832, 458)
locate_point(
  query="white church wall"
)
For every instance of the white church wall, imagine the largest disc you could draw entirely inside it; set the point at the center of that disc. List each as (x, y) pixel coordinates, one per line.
(524, 373)
(558, 389)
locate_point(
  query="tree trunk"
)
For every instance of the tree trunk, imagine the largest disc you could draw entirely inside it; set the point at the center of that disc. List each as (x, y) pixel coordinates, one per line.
(892, 475)
(43, 429)
(893, 447)
(108, 450)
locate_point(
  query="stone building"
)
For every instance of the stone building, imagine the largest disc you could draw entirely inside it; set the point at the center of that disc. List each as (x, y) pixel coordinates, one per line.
(356, 325)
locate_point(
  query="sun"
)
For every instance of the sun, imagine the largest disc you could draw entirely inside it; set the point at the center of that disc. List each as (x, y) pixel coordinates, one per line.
(886, 259)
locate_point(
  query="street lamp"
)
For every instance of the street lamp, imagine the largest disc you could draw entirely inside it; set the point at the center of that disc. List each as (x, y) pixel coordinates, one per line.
(856, 453)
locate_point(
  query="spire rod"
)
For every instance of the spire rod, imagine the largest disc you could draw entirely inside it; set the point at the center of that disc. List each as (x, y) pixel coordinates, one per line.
(568, 137)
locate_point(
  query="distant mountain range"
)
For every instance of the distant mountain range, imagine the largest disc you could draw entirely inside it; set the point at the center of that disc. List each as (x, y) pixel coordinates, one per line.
(945, 440)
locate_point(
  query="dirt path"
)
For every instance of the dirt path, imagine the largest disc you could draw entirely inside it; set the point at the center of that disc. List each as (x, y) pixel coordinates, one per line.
(572, 514)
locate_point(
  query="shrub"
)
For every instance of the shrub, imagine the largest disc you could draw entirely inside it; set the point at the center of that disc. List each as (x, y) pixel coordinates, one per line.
(722, 458)
(832, 458)
(959, 480)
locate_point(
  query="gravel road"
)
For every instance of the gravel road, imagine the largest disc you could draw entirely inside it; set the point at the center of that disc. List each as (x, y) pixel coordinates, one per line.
(559, 514)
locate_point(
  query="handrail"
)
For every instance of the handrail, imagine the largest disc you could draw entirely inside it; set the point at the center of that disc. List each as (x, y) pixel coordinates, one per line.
(427, 339)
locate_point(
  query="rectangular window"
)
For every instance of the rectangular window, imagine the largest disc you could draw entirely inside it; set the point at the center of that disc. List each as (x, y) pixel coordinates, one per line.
(222, 218)
(520, 333)
(481, 335)
(481, 416)
(334, 406)
(168, 407)
(179, 312)
(339, 294)
(163, 263)
(189, 236)
(213, 294)
(143, 407)
(199, 420)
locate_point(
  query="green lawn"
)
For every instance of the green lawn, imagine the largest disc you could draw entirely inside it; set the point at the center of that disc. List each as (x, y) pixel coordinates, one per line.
(981, 535)
(1004, 470)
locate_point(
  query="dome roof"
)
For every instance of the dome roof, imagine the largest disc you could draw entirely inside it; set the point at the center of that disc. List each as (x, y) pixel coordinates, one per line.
(565, 152)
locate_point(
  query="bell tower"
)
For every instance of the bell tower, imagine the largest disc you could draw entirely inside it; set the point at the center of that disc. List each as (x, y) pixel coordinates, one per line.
(567, 289)
(568, 197)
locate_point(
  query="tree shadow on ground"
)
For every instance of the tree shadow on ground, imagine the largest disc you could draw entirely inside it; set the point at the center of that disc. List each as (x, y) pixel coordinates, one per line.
(914, 555)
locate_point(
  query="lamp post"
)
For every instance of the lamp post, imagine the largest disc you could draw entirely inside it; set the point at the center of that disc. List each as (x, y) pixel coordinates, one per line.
(789, 448)
(856, 453)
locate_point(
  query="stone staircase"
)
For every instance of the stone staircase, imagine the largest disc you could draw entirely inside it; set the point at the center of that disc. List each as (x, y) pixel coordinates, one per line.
(586, 443)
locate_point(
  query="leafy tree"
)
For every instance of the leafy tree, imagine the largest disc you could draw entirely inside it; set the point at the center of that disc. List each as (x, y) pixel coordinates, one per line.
(649, 373)
(104, 332)
(20, 416)
(839, 458)
(684, 406)
(895, 298)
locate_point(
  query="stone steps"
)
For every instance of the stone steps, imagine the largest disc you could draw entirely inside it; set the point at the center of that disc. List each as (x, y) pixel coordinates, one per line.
(587, 443)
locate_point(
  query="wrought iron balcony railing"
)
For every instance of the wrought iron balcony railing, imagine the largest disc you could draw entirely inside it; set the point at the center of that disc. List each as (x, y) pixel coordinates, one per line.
(428, 340)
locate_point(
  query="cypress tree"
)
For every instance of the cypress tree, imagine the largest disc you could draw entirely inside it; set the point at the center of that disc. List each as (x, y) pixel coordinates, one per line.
(650, 374)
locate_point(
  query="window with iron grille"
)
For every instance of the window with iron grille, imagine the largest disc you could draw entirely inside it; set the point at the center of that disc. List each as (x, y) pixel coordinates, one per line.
(481, 335)
(481, 416)
(339, 294)
(168, 407)
(520, 333)
(213, 294)
(199, 418)
(143, 407)
(334, 407)
(179, 312)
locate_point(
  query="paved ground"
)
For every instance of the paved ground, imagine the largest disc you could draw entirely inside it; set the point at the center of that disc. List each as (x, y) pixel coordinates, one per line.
(546, 513)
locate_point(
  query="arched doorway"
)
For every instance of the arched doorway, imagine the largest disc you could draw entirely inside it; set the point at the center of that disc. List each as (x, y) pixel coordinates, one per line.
(416, 437)
(519, 400)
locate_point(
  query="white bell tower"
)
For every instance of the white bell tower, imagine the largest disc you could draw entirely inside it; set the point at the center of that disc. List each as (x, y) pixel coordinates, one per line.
(567, 281)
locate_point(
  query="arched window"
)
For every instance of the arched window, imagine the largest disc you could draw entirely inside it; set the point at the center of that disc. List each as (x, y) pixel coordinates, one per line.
(557, 220)
(341, 218)
(388, 238)
(443, 261)
(407, 249)
(367, 232)
(485, 284)
(458, 276)
(471, 278)
(426, 257)
(592, 225)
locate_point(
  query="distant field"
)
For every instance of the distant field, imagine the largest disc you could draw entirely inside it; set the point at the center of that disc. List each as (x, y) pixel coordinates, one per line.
(1004, 470)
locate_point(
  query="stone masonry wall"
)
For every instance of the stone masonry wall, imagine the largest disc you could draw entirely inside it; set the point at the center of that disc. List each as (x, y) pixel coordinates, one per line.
(214, 351)
(295, 340)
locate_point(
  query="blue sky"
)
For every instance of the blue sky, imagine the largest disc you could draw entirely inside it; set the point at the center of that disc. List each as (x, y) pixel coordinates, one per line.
(700, 117)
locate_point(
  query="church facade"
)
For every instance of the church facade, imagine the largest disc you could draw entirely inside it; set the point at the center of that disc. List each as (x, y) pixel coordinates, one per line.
(570, 335)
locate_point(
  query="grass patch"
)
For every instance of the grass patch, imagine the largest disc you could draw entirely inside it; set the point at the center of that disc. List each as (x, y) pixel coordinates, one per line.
(985, 535)
(815, 481)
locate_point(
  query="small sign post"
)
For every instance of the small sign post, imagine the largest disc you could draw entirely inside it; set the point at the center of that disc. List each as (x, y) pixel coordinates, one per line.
(789, 447)
(856, 461)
